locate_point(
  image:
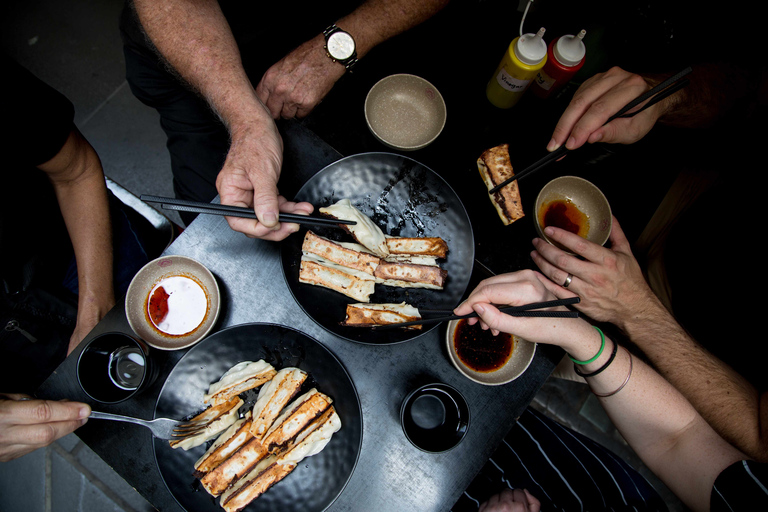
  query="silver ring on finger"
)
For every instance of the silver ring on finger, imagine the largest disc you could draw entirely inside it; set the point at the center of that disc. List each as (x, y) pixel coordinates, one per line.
(568, 280)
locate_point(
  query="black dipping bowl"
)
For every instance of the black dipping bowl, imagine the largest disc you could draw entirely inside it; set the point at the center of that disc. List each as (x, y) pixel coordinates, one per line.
(93, 368)
(435, 417)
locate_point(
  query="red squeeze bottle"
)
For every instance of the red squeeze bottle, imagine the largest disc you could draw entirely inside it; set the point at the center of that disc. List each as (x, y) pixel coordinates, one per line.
(565, 56)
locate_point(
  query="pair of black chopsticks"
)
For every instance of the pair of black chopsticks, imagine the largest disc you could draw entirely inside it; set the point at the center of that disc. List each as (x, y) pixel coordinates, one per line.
(182, 205)
(656, 94)
(525, 310)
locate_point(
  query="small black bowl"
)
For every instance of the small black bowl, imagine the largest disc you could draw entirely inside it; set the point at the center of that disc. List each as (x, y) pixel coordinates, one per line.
(435, 417)
(113, 367)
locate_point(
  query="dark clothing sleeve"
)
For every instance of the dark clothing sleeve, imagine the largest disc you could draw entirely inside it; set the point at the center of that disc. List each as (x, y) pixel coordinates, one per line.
(741, 486)
(41, 117)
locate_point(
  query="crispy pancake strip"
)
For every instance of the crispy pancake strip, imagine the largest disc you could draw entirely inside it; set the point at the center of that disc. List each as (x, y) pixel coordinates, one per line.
(320, 275)
(411, 275)
(228, 443)
(365, 315)
(241, 377)
(433, 246)
(310, 442)
(238, 464)
(331, 251)
(218, 418)
(365, 232)
(295, 417)
(495, 167)
(273, 396)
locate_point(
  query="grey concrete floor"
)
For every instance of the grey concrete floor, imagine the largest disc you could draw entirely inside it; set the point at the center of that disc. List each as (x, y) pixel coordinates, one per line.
(74, 45)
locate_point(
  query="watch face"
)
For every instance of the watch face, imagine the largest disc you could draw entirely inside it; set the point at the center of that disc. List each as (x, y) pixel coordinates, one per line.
(341, 45)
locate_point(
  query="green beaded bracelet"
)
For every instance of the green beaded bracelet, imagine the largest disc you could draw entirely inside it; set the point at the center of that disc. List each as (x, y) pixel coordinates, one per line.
(602, 346)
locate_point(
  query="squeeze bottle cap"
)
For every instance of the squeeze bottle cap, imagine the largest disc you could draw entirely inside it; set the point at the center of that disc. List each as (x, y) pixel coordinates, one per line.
(531, 48)
(570, 50)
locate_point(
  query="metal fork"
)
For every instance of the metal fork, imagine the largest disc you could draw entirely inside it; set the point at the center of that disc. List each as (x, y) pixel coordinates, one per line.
(162, 428)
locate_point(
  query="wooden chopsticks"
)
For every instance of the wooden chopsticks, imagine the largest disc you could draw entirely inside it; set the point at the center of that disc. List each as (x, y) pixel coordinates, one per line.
(525, 310)
(656, 94)
(170, 203)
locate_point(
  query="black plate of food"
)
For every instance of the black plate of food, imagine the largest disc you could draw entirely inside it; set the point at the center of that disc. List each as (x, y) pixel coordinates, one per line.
(404, 198)
(318, 480)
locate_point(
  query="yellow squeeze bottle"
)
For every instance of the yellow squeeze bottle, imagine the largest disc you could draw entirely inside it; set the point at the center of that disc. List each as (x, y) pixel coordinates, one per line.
(523, 59)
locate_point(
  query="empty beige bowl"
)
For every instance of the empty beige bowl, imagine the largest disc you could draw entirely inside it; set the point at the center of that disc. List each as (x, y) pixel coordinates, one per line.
(189, 293)
(405, 112)
(575, 204)
(521, 357)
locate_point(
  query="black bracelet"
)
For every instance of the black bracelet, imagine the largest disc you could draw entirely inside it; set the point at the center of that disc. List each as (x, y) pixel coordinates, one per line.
(607, 363)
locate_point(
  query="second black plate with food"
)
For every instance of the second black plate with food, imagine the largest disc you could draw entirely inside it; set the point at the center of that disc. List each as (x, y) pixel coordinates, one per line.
(404, 198)
(318, 480)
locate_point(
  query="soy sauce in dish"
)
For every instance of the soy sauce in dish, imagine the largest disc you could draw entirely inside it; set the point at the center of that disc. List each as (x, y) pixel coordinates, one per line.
(562, 213)
(480, 350)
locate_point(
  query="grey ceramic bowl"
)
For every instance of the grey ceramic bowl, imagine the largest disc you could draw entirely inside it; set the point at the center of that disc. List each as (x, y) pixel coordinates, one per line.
(586, 197)
(145, 280)
(405, 112)
(521, 358)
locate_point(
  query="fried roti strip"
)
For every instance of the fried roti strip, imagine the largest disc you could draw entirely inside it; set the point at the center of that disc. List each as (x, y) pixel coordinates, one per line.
(294, 418)
(365, 315)
(218, 418)
(273, 397)
(271, 470)
(241, 377)
(331, 251)
(353, 286)
(366, 232)
(432, 246)
(227, 443)
(408, 275)
(495, 167)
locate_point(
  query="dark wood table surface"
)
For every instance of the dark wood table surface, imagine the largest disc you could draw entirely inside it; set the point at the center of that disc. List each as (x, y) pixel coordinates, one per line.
(391, 474)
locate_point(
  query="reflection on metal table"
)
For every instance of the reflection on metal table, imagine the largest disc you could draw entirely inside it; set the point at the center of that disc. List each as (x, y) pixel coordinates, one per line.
(391, 474)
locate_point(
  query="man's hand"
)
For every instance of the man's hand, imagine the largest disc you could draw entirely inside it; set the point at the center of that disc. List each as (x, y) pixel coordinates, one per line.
(26, 424)
(609, 281)
(249, 178)
(508, 500)
(298, 82)
(598, 99)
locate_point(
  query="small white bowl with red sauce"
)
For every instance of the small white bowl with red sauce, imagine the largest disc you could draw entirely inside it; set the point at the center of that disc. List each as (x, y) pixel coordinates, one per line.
(484, 358)
(172, 302)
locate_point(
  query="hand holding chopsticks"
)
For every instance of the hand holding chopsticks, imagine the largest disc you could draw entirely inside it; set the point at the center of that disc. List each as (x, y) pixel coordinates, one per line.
(169, 203)
(526, 310)
(651, 97)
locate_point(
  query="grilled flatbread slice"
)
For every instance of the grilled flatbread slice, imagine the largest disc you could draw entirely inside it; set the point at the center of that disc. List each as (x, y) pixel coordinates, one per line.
(225, 445)
(408, 275)
(238, 464)
(218, 418)
(365, 315)
(274, 468)
(430, 246)
(336, 253)
(273, 396)
(337, 278)
(366, 232)
(241, 377)
(294, 418)
(495, 167)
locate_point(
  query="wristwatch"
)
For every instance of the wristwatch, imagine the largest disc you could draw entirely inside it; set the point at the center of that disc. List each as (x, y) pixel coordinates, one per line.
(340, 46)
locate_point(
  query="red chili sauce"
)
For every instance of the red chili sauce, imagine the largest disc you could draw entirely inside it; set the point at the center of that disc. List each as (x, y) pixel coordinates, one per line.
(480, 350)
(158, 305)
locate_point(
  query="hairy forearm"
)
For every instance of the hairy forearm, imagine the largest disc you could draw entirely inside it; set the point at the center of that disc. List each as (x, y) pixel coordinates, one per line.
(195, 39)
(724, 398)
(379, 20)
